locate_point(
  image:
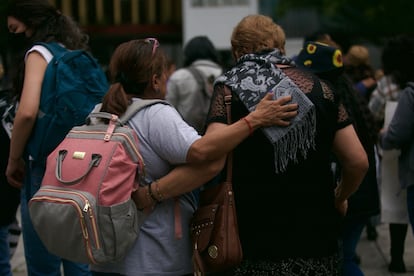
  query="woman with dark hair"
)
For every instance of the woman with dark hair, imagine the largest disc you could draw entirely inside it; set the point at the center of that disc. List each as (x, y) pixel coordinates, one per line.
(36, 21)
(177, 158)
(397, 59)
(39, 21)
(200, 47)
(326, 62)
(393, 199)
(190, 88)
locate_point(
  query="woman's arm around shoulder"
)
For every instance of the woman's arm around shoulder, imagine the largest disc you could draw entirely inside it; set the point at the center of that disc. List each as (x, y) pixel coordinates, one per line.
(207, 155)
(221, 138)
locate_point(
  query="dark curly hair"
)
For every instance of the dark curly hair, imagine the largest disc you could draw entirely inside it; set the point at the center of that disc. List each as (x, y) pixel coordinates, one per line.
(398, 58)
(48, 23)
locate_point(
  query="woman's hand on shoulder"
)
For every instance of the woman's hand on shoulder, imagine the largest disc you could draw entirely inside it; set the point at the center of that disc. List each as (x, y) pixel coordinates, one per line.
(271, 112)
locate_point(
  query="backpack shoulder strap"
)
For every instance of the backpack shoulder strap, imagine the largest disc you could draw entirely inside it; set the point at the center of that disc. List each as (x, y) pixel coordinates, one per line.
(53, 47)
(137, 106)
(198, 77)
(61, 53)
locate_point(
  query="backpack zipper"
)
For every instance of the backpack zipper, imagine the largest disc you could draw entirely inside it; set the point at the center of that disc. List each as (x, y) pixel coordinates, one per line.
(85, 209)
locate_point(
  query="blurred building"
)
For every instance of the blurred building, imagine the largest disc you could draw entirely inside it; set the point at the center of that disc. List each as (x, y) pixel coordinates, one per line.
(110, 22)
(173, 22)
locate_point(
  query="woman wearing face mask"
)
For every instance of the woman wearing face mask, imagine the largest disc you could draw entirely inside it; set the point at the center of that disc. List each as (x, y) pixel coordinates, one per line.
(38, 21)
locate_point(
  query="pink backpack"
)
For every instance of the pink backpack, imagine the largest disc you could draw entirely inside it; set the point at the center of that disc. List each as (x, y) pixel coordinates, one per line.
(83, 211)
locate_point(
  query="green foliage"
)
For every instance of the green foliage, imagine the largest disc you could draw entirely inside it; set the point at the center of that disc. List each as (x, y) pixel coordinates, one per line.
(371, 19)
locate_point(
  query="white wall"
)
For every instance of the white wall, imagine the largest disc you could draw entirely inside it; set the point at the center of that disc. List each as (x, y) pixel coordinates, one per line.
(293, 46)
(215, 19)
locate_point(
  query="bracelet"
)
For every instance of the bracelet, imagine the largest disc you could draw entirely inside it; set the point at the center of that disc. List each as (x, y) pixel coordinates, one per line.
(157, 189)
(249, 126)
(148, 195)
(151, 194)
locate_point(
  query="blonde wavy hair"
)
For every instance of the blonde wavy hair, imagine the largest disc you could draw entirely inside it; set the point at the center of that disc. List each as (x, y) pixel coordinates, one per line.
(255, 33)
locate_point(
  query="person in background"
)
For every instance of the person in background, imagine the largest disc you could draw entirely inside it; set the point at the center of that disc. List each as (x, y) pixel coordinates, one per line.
(322, 37)
(171, 67)
(394, 210)
(189, 88)
(358, 68)
(283, 176)
(178, 160)
(36, 21)
(393, 204)
(318, 36)
(9, 199)
(326, 62)
(398, 57)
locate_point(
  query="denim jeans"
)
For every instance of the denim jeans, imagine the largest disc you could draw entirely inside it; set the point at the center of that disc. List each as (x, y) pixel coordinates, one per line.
(350, 237)
(5, 268)
(39, 261)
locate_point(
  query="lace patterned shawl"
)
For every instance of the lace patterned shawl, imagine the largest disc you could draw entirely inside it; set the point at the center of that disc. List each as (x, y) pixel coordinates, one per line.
(251, 79)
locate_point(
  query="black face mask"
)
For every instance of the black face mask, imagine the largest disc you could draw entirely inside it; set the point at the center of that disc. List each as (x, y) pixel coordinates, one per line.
(18, 42)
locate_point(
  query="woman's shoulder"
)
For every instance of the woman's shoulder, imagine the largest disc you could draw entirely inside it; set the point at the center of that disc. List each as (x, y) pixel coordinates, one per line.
(160, 110)
(307, 81)
(42, 50)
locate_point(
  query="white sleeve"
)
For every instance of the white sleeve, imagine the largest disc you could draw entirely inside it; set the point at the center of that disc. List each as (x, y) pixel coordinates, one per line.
(174, 135)
(46, 54)
(166, 132)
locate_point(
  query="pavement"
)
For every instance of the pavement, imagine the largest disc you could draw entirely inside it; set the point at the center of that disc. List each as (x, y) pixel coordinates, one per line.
(374, 255)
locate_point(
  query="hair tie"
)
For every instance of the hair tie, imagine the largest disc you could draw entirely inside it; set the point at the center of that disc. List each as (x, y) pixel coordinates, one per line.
(129, 86)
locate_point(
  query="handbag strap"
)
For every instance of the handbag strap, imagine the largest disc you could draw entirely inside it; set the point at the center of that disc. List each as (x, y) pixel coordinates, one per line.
(227, 102)
(198, 76)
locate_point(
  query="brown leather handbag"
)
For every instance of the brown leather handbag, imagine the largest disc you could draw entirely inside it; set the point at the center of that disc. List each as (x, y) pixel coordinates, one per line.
(214, 229)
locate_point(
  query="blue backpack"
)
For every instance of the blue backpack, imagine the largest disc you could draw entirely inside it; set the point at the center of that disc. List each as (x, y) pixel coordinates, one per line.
(74, 83)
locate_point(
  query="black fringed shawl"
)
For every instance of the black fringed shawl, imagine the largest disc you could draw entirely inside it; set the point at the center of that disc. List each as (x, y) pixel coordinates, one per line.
(251, 79)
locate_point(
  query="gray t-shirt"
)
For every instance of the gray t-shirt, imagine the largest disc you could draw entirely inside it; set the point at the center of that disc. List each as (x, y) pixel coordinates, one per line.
(164, 142)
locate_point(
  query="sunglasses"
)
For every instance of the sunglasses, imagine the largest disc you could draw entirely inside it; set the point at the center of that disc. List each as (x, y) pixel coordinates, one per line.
(155, 43)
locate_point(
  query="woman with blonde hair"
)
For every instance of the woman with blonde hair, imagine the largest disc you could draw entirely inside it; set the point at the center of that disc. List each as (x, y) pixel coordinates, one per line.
(288, 205)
